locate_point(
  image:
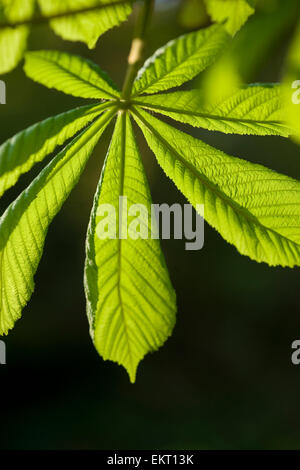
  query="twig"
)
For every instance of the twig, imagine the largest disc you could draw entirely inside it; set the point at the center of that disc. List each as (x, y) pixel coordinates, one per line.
(137, 46)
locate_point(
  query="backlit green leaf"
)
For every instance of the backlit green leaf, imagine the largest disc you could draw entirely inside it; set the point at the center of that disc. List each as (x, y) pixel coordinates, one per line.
(292, 83)
(180, 60)
(234, 12)
(131, 303)
(69, 73)
(254, 208)
(21, 152)
(13, 41)
(257, 110)
(24, 225)
(89, 26)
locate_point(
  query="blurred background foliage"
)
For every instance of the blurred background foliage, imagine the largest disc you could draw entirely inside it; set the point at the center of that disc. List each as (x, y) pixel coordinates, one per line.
(225, 379)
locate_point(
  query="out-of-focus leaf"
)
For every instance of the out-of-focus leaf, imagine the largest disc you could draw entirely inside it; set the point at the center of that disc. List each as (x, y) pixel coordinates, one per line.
(291, 81)
(249, 49)
(256, 110)
(86, 27)
(192, 14)
(13, 41)
(25, 149)
(69, 73)
(233, 12)
(24, 225)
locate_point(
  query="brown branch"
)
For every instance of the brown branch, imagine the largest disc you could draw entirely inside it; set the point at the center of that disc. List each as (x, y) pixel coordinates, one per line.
(44, 19)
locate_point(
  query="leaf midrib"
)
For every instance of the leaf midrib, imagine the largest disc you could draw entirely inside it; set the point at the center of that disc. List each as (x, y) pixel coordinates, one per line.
(205, 115)
(121, 193)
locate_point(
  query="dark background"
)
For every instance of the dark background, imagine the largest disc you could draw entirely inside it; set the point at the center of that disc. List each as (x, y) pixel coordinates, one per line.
(225, 378)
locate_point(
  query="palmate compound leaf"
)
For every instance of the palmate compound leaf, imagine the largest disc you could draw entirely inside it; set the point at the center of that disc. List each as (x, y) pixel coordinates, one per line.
(89, 26)
(234, 12)
(130, 299)
(21, 152)
(13, 41)
(69, 73)
(255, 109)
(24, 225)
(180, 60)
(254, 208)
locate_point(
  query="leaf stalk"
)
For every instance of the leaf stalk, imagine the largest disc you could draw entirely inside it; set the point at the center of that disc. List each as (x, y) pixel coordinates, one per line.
(137, 46)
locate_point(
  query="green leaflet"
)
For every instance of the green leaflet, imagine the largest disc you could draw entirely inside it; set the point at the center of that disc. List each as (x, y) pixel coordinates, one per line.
(192, 14)
(180, 60)
(13, 41)
(255, 110)
(24, 225)
(131, 304)
(69, 73)
(12, 46)
(21, 152)
(130, 300)
(254, 208)
(86, 27)
(235, 12)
